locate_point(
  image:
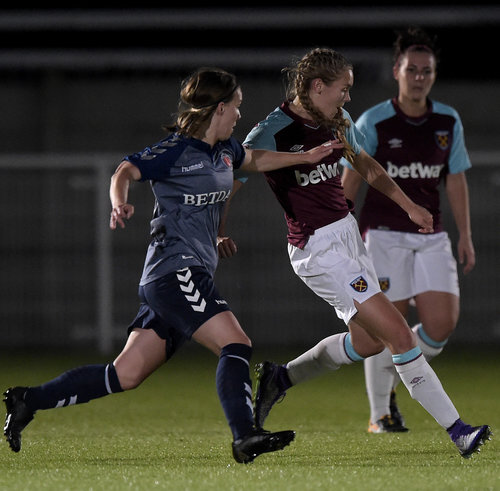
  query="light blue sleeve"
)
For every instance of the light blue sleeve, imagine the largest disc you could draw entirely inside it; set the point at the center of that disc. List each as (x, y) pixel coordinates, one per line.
(365, 134)
(262, 134)
(367, 127)
(262, 137)
(459, 160)
(353, 135)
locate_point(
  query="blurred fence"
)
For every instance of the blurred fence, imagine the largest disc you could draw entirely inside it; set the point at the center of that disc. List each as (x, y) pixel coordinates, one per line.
(67, 280)
(85, 85)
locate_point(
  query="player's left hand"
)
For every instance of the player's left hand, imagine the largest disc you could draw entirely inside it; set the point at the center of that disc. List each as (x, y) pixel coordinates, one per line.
(226, 247)
(466, 253)
(318, 153)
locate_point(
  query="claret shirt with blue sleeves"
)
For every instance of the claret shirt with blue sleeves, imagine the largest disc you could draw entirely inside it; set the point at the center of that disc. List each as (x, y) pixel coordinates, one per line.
(311, 194)
(191, 182)
(418, 153)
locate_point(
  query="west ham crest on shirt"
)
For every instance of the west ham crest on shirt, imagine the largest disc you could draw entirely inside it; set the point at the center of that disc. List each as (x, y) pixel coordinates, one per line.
(442, 139)
(359, 284)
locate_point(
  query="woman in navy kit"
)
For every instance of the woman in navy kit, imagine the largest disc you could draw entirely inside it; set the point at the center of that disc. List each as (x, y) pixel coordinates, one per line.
(326, 250)
(191, 174)
(420, 142)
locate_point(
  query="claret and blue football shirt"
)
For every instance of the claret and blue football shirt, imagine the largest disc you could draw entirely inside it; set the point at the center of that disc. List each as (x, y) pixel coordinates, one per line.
(417, 153)
(310, 194)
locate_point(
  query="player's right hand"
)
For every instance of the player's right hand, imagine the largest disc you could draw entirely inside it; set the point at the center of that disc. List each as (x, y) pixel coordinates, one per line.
(119, 213)
(420, 216)
(226, 247)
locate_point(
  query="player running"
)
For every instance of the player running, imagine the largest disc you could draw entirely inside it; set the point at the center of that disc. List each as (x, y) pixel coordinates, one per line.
(326, 250)
(191, 174)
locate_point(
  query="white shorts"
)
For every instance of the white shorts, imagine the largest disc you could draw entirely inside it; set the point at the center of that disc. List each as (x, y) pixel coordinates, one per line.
(408, 264)
(335, 265)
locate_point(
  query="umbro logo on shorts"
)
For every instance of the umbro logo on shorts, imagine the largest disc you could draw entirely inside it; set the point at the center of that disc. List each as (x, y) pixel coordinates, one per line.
(191, 293)
(359, 284)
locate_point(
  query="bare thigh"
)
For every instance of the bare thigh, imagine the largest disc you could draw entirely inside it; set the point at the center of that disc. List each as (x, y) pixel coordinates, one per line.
(379, 318)
(143, 353)
(438, 312)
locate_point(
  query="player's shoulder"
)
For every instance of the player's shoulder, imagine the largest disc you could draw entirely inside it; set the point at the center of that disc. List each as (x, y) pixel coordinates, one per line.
(274, 121)
(379, 112)
(263, 132)
(445, 109)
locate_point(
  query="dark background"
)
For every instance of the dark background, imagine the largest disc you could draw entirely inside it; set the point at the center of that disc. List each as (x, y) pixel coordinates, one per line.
(81, 87)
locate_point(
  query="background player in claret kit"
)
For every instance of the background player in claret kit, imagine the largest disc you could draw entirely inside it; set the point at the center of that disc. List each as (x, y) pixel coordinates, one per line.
(421, 144)
(326, 250)
(191, 174)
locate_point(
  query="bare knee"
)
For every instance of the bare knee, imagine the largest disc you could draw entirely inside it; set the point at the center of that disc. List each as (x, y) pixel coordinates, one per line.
(401, 342)
(363, 342)
(368, 347)
(129, 379)
(438, 312)
(439, 331)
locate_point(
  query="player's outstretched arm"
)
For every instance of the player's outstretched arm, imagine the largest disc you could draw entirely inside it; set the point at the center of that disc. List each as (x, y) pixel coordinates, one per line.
(376, 176)
(267, 160)
(118, 193)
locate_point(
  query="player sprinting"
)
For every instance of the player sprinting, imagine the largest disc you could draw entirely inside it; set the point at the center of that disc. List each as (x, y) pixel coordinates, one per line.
(326, 250)
(420, 142)
(191, 175)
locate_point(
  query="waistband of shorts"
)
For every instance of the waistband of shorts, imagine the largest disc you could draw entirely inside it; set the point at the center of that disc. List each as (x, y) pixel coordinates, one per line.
(338, 225)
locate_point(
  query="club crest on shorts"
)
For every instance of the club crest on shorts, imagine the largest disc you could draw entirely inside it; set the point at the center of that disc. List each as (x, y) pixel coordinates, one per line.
(385, 284)
(359, 284)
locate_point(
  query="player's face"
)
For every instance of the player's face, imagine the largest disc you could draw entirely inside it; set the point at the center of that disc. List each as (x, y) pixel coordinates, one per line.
(335, 94)
(231, 115)
(415, 73)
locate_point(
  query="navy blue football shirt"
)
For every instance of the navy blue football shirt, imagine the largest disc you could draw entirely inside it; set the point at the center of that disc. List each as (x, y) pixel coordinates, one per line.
(191, 182)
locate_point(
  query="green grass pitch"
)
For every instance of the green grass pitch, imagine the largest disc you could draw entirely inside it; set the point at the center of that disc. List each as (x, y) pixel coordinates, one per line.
(170, 433)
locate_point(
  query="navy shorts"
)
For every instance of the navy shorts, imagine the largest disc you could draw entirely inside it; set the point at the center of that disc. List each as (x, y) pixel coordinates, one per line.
(176, 305)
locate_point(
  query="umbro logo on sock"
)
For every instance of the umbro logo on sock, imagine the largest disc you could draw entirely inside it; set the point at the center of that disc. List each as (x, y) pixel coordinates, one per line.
(417, 381)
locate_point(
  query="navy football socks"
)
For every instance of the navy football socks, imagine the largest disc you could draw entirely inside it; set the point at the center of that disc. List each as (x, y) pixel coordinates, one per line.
(75, 386)
(234, 388)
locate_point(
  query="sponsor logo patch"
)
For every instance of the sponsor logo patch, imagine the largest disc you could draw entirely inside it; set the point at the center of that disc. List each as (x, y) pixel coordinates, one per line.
(322, 173)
